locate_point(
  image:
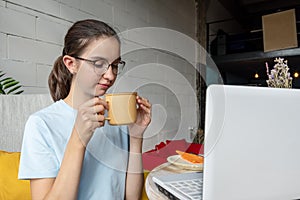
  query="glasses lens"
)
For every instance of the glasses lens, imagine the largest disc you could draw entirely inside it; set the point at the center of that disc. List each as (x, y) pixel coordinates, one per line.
(119, 67)
(100, 66)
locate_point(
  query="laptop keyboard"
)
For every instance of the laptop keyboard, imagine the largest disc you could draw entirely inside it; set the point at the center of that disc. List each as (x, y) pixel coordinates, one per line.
(191, 188)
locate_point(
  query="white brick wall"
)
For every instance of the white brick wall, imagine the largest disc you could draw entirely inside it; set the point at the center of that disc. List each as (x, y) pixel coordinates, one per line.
(31, 38)
(42, 72)
(16, 23)
(99, 9)
(73, 14)
(49, 31)
(2, 3)
(25, 72)
(71, 3)
(32, 50)
(3, 47)
(45, 6)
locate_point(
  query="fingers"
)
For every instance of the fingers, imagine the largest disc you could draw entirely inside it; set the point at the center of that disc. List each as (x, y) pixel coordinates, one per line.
(96, 105)
(99, 119)
(90, 116)
(99, 110)
(144, 104)
(94, 110)
(97, 101)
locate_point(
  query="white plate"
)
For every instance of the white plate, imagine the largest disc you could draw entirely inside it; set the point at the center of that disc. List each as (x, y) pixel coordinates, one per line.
(181, 163)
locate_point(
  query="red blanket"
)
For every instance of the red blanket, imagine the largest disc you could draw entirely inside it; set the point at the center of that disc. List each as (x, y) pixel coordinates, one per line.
(163, 150)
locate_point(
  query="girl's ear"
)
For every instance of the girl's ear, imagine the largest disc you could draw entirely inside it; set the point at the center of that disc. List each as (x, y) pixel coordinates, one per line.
(70, 63)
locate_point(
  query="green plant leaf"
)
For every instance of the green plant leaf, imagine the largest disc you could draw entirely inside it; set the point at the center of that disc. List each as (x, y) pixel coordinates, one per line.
(2, 75)
(14, 89)
(10, 84)
(19, 92)
(2, 91)
(6, 79)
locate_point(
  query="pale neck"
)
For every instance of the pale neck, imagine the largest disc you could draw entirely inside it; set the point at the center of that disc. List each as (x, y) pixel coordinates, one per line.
(74, 99)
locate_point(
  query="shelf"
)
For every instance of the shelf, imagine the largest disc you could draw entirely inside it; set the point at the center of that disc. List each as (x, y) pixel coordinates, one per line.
(240, 68)
(257, 55)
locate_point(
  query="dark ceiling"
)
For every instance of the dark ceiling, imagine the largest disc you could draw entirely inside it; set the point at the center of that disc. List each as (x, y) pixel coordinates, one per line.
(248, 14)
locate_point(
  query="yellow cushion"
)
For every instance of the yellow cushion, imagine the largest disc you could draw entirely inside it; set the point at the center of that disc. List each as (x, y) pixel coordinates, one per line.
(144, 195)
(10, 187)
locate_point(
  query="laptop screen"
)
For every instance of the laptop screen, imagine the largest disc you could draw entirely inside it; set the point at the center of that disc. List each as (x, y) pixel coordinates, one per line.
(252, 143)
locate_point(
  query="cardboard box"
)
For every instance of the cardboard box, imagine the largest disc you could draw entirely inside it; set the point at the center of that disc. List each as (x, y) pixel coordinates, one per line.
(279, 30)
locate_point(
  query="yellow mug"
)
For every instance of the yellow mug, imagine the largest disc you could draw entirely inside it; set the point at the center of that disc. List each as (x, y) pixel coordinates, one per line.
(122, 108)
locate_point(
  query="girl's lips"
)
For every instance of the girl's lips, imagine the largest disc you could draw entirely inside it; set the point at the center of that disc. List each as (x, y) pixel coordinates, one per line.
(104, 86)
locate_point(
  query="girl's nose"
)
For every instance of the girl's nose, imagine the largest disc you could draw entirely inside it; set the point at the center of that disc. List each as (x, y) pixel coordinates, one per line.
(109, 74)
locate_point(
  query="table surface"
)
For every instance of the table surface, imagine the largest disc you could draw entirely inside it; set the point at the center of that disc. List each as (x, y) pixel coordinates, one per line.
(166, 168)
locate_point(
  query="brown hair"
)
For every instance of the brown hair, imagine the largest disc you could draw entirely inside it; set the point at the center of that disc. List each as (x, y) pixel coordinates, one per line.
(78, 37)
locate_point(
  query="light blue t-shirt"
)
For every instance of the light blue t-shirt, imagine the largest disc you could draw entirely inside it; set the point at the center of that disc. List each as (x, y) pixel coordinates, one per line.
(104, 167)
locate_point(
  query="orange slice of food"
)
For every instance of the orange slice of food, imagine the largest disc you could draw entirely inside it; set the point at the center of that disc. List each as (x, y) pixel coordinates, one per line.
(190, 157)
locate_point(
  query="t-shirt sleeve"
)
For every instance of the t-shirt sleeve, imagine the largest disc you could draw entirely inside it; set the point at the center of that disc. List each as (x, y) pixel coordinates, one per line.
(38, 158)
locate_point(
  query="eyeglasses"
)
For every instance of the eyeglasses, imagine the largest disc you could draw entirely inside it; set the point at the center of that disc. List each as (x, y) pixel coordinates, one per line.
(101, 65)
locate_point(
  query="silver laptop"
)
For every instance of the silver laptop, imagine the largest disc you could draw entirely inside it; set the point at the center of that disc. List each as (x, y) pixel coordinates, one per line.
(252, 144)
(180, 186)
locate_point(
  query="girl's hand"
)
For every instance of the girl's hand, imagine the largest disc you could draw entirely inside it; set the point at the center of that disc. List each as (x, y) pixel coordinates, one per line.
(90, 116)
(143, 118)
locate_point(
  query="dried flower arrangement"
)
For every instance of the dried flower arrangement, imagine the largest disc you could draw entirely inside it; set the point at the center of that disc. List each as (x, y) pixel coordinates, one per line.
(279, 76)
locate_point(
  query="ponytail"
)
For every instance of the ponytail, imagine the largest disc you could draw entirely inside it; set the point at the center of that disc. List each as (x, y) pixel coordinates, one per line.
(59, 80)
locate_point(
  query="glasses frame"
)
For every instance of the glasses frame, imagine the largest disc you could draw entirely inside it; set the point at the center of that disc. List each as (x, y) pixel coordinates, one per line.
(93, 62)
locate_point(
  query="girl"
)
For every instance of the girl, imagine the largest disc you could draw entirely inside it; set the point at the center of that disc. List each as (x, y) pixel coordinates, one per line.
(55, 153)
